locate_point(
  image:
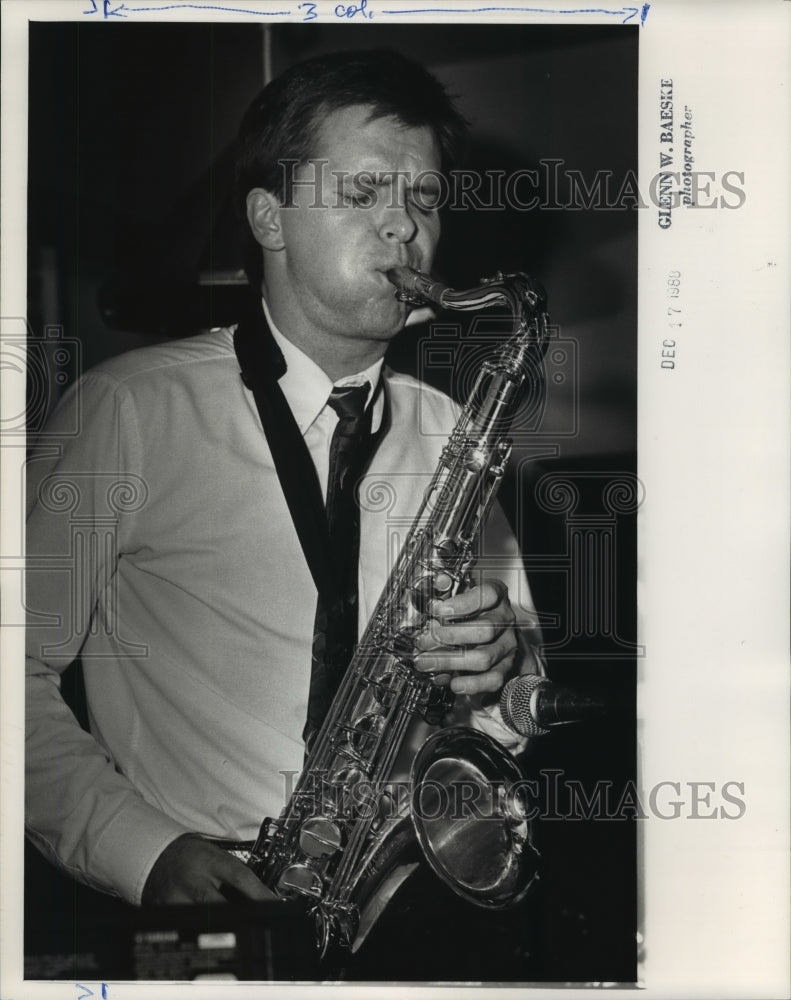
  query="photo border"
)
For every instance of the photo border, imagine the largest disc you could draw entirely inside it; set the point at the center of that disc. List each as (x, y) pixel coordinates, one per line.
(713, 454)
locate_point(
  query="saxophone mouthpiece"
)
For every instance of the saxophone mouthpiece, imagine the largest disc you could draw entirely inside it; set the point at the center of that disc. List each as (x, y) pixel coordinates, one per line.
(401, 276)
(414, 286)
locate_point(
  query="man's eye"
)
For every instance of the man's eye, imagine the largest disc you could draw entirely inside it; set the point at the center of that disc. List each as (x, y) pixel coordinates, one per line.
(425, 201)
(358, 199)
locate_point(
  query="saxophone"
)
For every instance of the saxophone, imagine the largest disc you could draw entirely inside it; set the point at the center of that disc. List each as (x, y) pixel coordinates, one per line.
(348, 836)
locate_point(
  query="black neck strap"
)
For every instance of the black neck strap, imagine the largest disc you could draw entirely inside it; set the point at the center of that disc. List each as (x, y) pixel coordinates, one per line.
(262, 365)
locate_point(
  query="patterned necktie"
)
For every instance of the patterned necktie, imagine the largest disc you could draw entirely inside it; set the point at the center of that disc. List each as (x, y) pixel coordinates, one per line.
(335, 628)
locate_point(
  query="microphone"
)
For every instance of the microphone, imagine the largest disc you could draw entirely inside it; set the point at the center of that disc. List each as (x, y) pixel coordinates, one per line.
(530, 705)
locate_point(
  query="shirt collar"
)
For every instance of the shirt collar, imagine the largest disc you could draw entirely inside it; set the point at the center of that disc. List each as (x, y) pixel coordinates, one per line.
(307, 387)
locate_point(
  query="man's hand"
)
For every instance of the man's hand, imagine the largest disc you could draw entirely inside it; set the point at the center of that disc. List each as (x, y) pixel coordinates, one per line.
(471, 641)
(191, 870)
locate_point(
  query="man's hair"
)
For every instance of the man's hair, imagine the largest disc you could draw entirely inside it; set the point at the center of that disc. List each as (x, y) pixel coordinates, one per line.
(283, 121)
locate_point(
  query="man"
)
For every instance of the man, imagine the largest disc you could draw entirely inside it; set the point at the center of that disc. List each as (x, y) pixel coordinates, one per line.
(187, 591)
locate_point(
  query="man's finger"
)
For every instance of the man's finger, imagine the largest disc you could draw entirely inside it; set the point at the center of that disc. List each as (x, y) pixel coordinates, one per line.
(470, 602)
(473, 659)
(478, 632)
(245, 882)
(483, 683)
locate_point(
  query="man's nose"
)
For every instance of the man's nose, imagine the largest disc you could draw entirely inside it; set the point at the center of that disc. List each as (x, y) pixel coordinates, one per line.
(397, 224)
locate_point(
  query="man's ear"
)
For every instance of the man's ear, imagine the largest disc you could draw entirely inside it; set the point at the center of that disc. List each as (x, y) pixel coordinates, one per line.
(263, 215)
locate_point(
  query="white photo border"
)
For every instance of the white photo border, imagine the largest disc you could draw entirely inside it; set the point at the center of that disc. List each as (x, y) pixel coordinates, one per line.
(713, 457)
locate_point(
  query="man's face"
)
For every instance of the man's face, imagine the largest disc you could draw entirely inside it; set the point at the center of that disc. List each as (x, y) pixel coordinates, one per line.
(352, 218)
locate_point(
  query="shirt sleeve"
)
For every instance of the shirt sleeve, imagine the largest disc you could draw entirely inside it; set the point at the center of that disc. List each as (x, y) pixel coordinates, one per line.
(83, 814)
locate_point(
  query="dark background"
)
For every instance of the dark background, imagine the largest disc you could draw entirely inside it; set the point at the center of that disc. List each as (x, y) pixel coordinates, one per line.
(132, 241)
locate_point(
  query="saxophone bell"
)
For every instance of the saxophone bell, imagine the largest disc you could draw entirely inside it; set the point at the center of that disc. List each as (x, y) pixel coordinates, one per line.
(471, 818)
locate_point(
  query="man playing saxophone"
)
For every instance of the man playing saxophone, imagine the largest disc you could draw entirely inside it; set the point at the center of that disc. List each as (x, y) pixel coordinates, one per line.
(198, 624)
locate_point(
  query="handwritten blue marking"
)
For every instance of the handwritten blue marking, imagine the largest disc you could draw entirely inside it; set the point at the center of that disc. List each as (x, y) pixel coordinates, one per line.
(123, 11)
(79, 986)
(229, 10)
(107, 10)
(349, 10)
(311, 14)
(627, 13)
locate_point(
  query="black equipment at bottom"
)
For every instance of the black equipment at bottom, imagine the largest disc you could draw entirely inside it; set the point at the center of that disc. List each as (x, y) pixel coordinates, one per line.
(250, 941)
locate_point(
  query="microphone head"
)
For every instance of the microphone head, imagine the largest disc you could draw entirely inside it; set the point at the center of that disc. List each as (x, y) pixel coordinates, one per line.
(518, 704)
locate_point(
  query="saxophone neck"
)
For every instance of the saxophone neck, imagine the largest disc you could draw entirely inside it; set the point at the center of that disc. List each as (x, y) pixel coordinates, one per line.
(523, 296)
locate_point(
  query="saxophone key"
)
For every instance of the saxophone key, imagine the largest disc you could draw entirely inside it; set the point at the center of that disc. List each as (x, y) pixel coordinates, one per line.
(353, 793)
(386, 808)
(320, 837)
(346, 776)
(299, 879)
(385, 688)
(366, 730)
(431, 587)
(475, 460)
(342, 748)
(402, 646)
(447, 549)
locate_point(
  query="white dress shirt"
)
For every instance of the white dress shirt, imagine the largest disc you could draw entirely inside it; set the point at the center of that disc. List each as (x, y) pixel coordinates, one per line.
(307, 388)
(162, 551)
